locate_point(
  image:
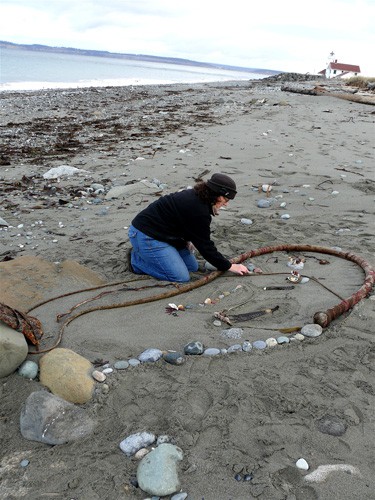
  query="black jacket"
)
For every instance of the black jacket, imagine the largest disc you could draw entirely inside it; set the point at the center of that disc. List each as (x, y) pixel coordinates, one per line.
(178, 218)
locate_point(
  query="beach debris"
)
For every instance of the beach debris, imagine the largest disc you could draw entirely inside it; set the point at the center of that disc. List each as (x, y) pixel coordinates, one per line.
(157, 472)
(276, 287)
(296, 263)
(254, 314)
(208, 301)
(28, 369)
(311, 330)
(63, 171)
(28, 325)
(222, 317)
(302, 464)
(323, 471)
(134, 442)
(266, 188)
(295, 277)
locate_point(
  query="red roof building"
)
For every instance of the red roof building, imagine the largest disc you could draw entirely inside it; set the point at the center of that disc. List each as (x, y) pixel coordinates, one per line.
(340, 70)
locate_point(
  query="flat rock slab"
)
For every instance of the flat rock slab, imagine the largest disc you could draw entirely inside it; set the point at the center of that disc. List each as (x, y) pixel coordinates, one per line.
(27, 280)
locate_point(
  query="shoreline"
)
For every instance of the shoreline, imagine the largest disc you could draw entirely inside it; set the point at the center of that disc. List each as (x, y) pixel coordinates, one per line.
(256, 412)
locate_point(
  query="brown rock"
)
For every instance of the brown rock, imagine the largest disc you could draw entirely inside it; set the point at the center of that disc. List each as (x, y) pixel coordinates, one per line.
(68, 375)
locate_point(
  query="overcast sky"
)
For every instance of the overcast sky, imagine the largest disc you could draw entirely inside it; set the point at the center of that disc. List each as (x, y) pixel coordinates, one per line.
(287, 35)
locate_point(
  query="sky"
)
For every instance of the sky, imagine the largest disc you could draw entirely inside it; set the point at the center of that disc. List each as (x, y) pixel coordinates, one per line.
(289, 35)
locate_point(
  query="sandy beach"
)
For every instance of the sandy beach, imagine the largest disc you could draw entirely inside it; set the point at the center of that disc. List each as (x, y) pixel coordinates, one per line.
(242, 413)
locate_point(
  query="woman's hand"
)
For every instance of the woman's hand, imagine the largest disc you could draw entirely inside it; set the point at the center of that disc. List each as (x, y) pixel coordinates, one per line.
(239, 269)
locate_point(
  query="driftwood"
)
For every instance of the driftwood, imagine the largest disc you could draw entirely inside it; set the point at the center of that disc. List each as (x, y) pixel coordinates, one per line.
(316, 91)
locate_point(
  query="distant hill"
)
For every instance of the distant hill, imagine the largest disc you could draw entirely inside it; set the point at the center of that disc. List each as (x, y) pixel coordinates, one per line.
(133, 57)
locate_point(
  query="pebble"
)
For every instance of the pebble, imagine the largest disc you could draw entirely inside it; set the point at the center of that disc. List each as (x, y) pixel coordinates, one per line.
(299, 336)
(217, 322)
(264, 203)
(282, 340)
(150, 355)
(304, 280)
(141, 453)
(234, 348)
(259, 344)
(311, 330)
(247, 222)
(271, 342)
(24, 462)
(331, 425)
(134, 362)
(28, 369)
(285, 216)
(283, 204)
(106, 371)
(174, 358)
(211, 351)
(137, 441)
(194, 348)
(179, 496)
(302, 464)
(121, 365)
(246, 346)
(164, 438)
(98, 376)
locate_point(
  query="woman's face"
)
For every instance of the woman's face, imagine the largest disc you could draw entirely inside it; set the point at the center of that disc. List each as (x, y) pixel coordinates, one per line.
(221, 201)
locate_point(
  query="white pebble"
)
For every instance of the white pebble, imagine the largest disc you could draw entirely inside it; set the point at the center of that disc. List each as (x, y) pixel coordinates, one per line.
(107, 370)
(271, 342)
(98, 376)
(302, 464)
(285, 216)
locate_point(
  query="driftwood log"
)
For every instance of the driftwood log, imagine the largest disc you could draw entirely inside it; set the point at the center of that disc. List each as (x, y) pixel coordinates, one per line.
(318, 91)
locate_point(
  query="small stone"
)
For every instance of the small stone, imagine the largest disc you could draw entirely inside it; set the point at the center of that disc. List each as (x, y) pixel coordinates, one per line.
(299, 336)
(285, 216)
(331, 425)
(134, 362)
(259, 344)
(121, 365)
(302, 464)
(311, 330)
(194, 348)
(141, 453)
(271, 342)
(135, 442)
(98, 376)
(217, 322)
(106, 371)
(283, 204)
(264, 203)
(211, 351)
(282, 340)
(234, 348)
(304, 280)
(150, 355)
(28, 369)
(238, 477)
(248, 477)
(247, 222)
(164, 438)
(246, 346)
(174, 358)
(179, 496)
(24, 462)
(223, 351)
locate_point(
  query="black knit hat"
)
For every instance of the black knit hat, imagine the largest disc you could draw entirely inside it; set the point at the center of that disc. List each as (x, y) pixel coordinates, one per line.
(222, 185)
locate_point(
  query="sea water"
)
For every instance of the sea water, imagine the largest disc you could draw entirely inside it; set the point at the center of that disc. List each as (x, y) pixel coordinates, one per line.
(35, 70)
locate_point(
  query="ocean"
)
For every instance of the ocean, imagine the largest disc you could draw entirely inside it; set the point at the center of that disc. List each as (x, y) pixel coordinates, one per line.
(31, 70)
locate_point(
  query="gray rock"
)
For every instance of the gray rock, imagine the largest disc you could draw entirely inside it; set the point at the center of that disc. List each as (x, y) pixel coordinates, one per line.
(234, 348)
(49, 419)
(331, 425)
(134, 362)
(264, 203)
(259, 344)
(311, 330)
(282, 340)
(246, 346)
(28, 369)
(150, 355)
(211, 351)
(174, 358)
(121, 365)
(157, 472)
(135, 442)
(13, 349)
(194, 348)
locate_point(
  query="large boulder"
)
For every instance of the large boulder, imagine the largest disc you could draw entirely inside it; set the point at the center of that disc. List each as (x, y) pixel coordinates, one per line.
(67, 374)
(49, 419)
(13, 349)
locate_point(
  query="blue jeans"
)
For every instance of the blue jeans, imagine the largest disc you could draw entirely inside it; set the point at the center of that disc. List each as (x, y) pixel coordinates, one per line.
(160, 260)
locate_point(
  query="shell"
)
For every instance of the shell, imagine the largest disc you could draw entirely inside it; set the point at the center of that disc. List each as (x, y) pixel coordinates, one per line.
(208, 301)
(173, 306)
